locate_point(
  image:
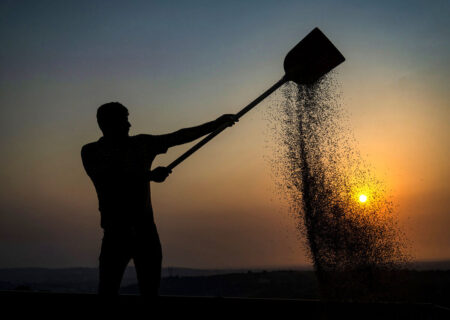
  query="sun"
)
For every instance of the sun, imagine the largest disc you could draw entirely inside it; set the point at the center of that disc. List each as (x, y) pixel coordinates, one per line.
(362, 198)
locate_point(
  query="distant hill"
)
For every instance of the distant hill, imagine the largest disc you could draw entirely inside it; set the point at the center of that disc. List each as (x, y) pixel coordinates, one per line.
(86, 279)
(189, 281)
(431, 286)
(81, 274)
(22, 276)
(430, 265)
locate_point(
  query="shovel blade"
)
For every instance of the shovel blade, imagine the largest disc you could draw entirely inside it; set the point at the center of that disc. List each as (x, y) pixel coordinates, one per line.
(313, 57)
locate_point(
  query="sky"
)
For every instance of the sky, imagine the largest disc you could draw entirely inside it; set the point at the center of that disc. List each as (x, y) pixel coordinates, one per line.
(178, 64)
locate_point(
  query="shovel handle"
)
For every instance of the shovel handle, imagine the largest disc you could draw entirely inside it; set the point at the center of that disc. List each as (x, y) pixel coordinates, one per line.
(209, 137)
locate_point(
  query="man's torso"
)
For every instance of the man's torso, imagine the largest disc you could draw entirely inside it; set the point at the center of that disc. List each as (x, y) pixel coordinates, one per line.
(119, 173)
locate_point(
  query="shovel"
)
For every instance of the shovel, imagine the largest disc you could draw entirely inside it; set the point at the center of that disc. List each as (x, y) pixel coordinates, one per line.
(307, 62)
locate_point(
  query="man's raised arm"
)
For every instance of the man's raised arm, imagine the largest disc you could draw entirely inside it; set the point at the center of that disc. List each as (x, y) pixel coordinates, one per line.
(190, 134)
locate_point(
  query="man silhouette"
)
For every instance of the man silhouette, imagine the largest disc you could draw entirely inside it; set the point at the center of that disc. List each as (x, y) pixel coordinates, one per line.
(119, 166)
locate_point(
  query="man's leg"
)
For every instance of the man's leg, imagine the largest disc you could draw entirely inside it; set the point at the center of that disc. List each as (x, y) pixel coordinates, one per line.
(147, 260)
(114, 257)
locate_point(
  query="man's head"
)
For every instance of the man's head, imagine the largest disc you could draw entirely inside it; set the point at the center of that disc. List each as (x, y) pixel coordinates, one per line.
(112, 118)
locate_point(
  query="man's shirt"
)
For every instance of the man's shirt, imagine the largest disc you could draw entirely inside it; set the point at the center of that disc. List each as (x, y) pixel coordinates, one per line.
(119, 171)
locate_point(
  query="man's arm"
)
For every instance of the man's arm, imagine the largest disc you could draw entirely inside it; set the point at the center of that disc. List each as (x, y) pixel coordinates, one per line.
(87, 160)
(190, 134)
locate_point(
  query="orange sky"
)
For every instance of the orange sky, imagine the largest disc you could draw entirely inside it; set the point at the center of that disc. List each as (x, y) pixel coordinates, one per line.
(221, 208)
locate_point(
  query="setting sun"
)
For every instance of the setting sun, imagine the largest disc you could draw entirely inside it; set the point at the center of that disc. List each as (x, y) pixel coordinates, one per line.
(362, 198)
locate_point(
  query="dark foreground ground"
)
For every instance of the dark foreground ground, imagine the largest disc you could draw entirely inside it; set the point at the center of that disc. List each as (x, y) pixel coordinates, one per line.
(62, 306)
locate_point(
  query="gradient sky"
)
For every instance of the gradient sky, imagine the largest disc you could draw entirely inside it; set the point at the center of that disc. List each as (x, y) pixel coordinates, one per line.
(181, 63)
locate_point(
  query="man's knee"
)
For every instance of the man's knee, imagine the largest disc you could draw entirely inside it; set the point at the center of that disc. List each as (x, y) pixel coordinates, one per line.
(111, 269)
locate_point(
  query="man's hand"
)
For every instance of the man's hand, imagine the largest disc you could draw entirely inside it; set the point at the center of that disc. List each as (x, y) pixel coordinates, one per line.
(159, 174)
(229, 119)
